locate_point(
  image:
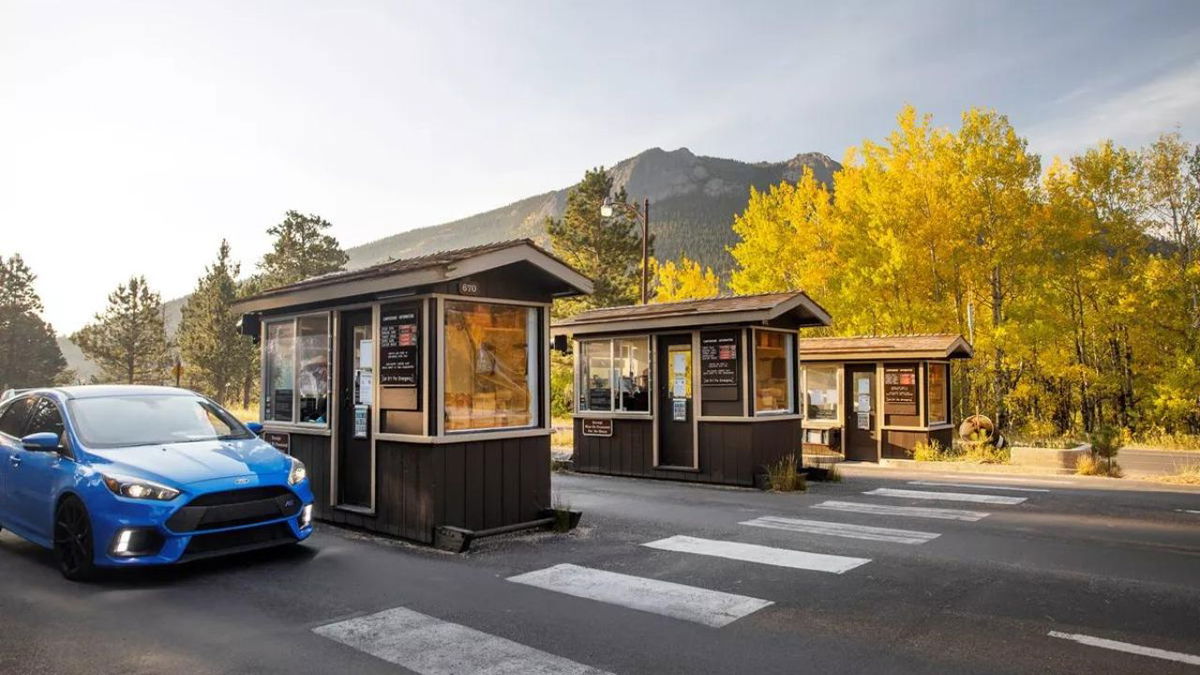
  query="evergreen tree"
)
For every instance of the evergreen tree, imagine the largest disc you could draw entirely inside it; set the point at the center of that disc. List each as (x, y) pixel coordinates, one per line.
(129, 340)
(212, 349)
(606, 250)
(29, 353)
(302, 250)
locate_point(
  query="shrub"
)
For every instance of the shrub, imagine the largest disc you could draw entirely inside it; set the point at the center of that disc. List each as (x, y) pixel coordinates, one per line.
(1106, 443)
(986, 453)
(785, 476)
(1088, 465)
(932, 451)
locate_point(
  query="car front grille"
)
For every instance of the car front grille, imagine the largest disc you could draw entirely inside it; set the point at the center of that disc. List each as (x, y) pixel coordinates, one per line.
(234, 508)
(234, 541)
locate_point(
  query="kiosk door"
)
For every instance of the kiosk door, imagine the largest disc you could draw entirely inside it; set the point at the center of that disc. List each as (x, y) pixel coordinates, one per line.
(862, 428)
(356, 386)
(675, 409)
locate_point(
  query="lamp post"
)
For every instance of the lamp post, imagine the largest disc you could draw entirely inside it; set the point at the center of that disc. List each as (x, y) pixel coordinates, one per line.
(608, 208)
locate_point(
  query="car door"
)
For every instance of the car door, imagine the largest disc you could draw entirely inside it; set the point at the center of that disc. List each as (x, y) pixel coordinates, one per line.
(13, 416)
(35, 476)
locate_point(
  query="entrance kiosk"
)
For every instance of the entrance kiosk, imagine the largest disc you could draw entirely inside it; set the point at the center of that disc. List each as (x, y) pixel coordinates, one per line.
(701, 390)
(872, 397)
(417, 391)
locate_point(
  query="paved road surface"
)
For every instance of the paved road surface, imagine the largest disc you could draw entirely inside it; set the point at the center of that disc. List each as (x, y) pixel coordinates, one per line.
(876, 574)
(1156, 461)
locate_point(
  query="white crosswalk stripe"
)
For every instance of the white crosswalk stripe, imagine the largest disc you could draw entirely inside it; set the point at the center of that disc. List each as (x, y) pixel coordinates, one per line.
(430, 646)
(903, 511)
(944, 496)
(689, 603)
(765, 555)
(843, 530)
(979, 486)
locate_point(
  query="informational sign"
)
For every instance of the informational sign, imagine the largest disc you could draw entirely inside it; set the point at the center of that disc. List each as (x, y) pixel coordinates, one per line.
(279, 440)
(679, 409)
(399, 346)
(599, 398)
(366, 353)
(361, 415)
(365, 388)
(864, 421)
(597, 427)
(719, 358)
(900, 390)
(281, 406)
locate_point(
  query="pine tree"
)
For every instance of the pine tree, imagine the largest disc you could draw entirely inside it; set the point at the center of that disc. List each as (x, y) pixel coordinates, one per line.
(302, 250)
(213, 351)
(606, 250)
(129, 339)
(29, 353)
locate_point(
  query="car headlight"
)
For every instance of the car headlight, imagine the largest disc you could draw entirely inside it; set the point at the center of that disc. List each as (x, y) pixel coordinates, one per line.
(135, 488)
(298, 472)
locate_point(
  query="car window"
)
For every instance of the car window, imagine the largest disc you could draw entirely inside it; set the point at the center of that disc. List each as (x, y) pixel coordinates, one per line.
(12, 421)
(121, 421)
(46, 418)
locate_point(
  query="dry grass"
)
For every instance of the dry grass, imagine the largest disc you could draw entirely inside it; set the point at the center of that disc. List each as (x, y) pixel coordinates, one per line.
(1165, 441)
(979, 453)
(1090, 466)
(785, 476)
(1188, 475)
(250, 414)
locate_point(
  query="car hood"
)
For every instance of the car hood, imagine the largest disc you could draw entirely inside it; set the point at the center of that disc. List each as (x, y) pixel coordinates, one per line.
(183, 463)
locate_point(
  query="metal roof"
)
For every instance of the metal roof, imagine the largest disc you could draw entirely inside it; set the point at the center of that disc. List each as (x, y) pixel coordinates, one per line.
(719, 310)
(865, 347)
(431, 268)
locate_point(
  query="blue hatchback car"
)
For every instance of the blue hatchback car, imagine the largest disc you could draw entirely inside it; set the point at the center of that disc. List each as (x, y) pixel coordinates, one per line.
(121, 476)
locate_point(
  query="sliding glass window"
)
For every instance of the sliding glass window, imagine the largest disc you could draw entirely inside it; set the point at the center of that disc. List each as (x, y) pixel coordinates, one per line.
(614, 375)
(296, 371)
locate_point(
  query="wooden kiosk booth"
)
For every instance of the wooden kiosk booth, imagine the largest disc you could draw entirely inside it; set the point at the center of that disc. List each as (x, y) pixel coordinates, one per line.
(702, 390)
(416, 391)
(872, 397)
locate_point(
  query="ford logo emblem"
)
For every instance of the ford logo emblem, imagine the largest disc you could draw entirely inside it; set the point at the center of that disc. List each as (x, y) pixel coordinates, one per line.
(289, 503)
(240, 481)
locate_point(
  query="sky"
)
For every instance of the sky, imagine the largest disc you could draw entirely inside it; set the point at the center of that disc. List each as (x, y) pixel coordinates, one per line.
(135, 136)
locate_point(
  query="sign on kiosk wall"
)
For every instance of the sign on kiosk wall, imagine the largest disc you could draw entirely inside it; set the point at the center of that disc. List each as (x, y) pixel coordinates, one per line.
(719, 366)
(900, 390)
(597, 427)
(400, 347)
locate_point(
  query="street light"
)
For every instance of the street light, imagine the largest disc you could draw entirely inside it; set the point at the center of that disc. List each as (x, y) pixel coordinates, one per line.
(608, 209)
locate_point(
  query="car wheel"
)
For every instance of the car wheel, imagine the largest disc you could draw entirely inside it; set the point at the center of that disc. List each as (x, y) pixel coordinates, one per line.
(73, 541)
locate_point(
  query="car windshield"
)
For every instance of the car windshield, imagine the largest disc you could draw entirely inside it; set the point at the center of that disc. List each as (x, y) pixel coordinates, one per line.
(120, 421)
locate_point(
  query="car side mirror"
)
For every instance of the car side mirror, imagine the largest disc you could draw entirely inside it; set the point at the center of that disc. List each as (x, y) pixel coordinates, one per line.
(43, 441)
(255, 427)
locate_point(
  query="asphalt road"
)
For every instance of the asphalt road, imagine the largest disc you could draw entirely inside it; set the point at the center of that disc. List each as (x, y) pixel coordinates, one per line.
(960, 596)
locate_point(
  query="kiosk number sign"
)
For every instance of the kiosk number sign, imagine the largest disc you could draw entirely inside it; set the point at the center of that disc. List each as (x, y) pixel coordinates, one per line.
(399, 349)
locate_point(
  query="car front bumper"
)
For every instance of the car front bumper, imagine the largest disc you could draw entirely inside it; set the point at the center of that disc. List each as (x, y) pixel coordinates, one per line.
(130, 533)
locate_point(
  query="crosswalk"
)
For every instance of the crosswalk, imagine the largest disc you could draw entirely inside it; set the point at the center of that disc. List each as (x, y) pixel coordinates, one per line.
(429, 645)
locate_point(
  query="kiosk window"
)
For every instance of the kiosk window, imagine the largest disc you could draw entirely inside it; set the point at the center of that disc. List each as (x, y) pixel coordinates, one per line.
(614, 375)
(312, 355)
(490, 366)
(938, 393)
(296, 383)
(596, 366)
(773, 387)
(821, 393)
(631, 373)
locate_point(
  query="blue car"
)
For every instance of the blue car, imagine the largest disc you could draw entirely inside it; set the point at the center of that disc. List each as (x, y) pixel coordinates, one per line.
(125, 476)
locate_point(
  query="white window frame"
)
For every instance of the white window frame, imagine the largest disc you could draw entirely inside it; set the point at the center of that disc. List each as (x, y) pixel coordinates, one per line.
(614, 405)
(790, 350)
(838, 374)
(534, 355)
(262, 403)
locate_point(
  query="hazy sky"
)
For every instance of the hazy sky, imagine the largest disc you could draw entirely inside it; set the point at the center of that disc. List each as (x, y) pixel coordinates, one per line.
(134, 136)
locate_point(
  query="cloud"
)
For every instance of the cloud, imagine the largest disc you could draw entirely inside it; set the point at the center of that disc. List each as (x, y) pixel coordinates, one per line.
(1131, 117)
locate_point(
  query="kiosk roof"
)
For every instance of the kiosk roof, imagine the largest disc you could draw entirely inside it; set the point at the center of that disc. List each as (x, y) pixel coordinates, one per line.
(874, 347)
(793, 307)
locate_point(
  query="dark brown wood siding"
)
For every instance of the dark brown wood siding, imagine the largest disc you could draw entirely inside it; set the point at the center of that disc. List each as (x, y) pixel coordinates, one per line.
(899, 444)
(731, 453)
(419, 486)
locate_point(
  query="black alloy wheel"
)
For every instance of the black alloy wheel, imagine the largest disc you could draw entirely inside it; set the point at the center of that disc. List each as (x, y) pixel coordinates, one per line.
(73, 541)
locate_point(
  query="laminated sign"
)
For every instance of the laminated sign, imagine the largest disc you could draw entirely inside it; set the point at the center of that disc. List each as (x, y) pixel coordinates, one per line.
(900, 390)
(399, 350)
